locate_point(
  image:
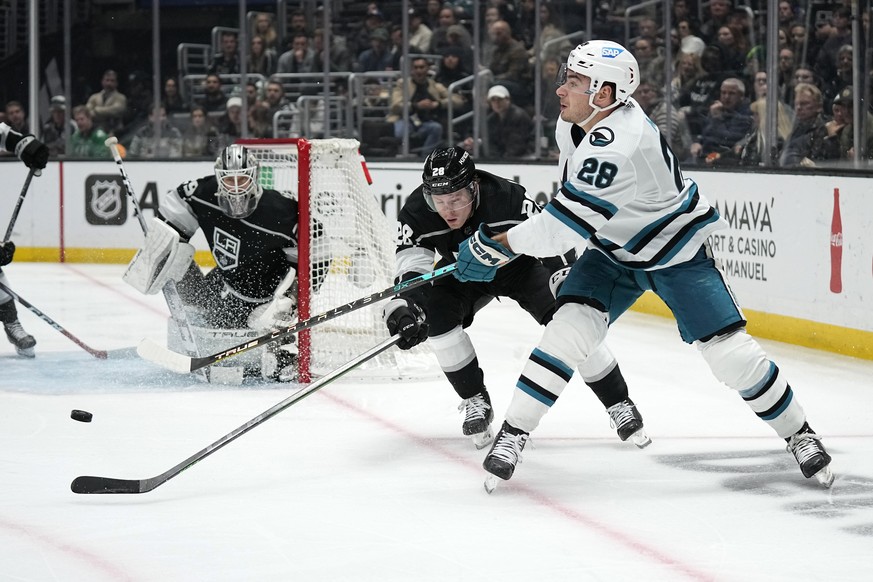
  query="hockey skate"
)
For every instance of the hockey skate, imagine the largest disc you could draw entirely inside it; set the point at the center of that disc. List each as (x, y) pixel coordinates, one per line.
(23, 341)
(504, 455)
(810, 454)
(477, 419)
(279, 363)
(628, 423)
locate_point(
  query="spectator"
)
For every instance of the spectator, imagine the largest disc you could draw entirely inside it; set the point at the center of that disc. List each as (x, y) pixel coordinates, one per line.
(840, 130)
(16, 118)
(839, 36)
(145, 143)
(261, 60)
(395, 47)
(797, 38)
(510, 128)
(786, 67)
(200, 137)
(432, 11)
(787, 14)
(806, 145)
(729, 121)
(650, 62)
(841, 79)
(140, 100)
(230, 124)
(703, 90)
(297, 24)
(733, 55)
(486, 48)
(108, 107)
(687, 70)
(681, 12)
(172, 98)
(214, 98)
(509, 64)
(719, 12)
(550, 30)
(419, 33)
(253, 94)
(651, 100)
(260, 122)
(377, 57)
(340, 59)
(300, 58)
(648, 28)
(427, 107)
(53, 129)
(227, 61)
(439, 40)
(759, 86)
(88, 141)
(266, 29)
(274, 98)
(551, 103)
(752, 150)
(373, 21)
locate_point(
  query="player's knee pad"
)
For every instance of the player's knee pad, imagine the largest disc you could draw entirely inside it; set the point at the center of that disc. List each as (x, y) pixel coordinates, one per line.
(453, 349)
(575, 333)
(599, 364)
(736, 360)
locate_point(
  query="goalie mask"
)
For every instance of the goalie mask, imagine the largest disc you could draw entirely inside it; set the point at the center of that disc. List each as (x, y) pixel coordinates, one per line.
(604, 61)
(236, 170)
(447, 171)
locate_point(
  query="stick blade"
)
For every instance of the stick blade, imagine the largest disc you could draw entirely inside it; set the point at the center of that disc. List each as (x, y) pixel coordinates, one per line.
(157, 354)
(90, 485)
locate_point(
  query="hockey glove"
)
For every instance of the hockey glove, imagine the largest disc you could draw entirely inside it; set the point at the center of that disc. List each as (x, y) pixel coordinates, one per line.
(556, 281)
(7, 251)
(406, 318)
(32, 152)
(480, 256)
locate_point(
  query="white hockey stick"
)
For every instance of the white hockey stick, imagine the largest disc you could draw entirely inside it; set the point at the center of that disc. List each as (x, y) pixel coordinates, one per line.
(171, 294)
(89, 484)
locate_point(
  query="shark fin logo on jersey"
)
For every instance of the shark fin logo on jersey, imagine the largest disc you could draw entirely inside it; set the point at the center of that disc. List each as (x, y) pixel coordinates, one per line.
(601, 137)
(611, 52)
(226, 249)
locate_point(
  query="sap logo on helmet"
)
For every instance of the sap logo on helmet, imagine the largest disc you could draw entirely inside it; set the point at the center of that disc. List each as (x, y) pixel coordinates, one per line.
(611, 52)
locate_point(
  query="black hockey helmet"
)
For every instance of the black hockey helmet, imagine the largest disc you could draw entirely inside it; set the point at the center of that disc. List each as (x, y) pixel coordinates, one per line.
(447, 170)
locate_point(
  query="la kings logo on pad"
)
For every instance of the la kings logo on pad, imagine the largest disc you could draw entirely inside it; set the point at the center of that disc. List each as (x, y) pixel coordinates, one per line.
(225, 249)
(105, 202)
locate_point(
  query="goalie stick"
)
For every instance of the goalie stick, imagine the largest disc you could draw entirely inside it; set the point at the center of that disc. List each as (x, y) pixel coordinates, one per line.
(89, 485)
(101, 354)
(18, 204)
(171, 294)
(182, 364)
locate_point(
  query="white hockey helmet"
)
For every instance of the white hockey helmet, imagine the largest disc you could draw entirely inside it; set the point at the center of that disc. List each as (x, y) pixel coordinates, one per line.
(604, 61)
(239, 191)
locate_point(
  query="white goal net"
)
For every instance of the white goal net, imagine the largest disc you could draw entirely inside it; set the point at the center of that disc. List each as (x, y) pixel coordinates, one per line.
(346, 252)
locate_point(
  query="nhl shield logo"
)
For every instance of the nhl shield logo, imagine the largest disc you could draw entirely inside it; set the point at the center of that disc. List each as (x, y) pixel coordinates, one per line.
(105, 202)
(225, 249)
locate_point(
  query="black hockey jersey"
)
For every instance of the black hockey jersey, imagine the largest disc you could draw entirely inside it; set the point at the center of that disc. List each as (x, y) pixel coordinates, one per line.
(253, 253)
(422, 233)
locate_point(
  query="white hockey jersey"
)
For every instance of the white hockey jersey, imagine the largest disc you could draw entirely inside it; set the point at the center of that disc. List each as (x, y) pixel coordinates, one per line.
(622, 191)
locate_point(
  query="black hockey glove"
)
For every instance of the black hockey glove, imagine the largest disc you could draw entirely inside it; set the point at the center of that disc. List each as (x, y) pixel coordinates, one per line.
(32, 152)
(7, 251)
(406, 318)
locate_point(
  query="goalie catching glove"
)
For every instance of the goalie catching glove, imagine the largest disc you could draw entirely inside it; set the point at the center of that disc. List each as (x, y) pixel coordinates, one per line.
(162, 258)
(480, 256)
(7, 251)
(407, 319)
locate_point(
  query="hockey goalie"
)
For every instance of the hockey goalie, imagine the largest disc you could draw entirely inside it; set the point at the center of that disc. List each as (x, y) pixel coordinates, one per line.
(252, 234)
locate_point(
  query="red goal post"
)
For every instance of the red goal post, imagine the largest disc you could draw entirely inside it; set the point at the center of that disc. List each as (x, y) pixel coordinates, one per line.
(345, 252)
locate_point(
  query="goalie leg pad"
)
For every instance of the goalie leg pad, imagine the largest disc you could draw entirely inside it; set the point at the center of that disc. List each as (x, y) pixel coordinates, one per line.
(738, 361)
(162, 258)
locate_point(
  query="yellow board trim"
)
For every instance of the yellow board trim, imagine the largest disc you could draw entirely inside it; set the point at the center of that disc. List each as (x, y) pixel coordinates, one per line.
(792, 330)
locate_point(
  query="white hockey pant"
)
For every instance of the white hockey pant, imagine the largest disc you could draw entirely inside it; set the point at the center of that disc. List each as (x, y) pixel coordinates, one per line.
(739, 362)
(574, 338)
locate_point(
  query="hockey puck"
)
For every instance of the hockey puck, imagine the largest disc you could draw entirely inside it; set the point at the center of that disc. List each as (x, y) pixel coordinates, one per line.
(81, 415)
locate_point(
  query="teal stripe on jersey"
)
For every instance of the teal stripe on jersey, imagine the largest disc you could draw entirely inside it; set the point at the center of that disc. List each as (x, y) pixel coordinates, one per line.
(569, 219)
(598, 205)
(630, 246)
(679, 243)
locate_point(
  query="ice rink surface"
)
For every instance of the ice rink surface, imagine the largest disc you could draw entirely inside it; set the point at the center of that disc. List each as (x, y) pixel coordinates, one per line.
(374, 481)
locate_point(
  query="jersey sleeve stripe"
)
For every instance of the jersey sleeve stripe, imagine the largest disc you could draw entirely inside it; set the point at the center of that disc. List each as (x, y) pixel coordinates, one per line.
(573, 222)
(598, 205)
(674, 245)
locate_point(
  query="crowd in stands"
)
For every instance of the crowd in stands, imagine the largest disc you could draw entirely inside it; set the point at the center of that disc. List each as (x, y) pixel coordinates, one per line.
(717, 81)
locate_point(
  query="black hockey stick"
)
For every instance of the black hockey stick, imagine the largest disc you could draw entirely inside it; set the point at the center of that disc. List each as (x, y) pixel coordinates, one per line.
(171, 293)
(18, 204)
(89, 484)
(182, 364)
(102, 354)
